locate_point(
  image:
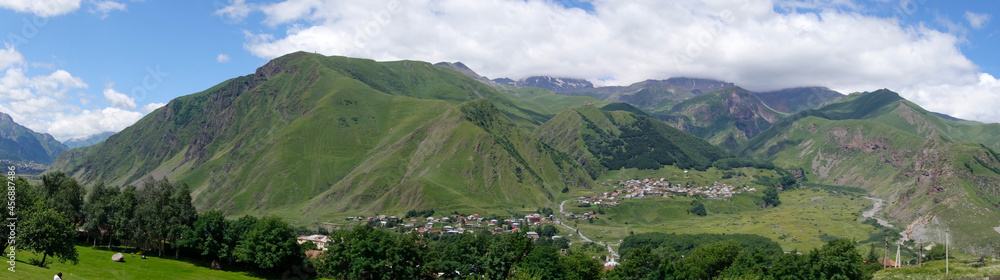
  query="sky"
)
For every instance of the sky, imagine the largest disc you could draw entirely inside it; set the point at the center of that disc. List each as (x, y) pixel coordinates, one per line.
(73, 68)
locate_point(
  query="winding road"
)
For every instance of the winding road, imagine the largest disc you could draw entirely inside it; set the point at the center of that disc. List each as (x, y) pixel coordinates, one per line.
(563, 213)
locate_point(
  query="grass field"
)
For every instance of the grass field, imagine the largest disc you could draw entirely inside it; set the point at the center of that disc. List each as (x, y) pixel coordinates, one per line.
(961, 267)
(806, 218)
(97, 264)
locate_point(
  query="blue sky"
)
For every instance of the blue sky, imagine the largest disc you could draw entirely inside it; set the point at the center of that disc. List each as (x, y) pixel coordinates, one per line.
(80, 67)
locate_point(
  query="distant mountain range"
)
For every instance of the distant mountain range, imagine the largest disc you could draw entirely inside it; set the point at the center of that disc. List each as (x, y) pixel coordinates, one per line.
(73, 143)
(21, 144)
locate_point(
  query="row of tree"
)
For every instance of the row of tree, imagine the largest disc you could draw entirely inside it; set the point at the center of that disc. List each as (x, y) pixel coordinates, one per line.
(150, 217)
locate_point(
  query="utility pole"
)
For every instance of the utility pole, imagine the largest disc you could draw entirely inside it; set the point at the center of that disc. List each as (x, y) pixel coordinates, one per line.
(947, 240)
(897, 254)
(885, 253)
(920, 253)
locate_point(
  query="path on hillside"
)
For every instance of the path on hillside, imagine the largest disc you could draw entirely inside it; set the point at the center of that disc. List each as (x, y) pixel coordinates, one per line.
(563, 213)
(875, 208)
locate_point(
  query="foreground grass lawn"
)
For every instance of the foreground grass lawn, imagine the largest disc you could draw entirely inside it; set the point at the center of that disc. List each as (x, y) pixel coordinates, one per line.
(97, 264)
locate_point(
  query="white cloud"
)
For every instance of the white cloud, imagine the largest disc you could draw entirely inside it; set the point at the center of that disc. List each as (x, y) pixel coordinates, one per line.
(42, 104)
(118, 99)
(747, 42)
(149, 108)
(89, 122)
(977, 21)
(222, 58)
(42, 8)
(103, 8)
(236, 11)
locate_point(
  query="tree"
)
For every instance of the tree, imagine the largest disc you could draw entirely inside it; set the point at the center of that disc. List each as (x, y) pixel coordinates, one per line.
(640, 263)
(236, 233)
(838, 259)
(270, 244)
(152, 213)
(579, 266)
(123, 222)
(503, 252)
(64, 194)
(98, 210)
(543, 262)
(708, 261)
(698, 208)
(209, 235)
(548, 230)
(48, 233)
(771, 198)
(935, 253)
(369, 253)
(26, 200)
(180, 215)
(750, 264)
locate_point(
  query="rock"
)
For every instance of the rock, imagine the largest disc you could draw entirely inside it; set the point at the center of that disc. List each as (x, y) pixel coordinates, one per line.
(118, 257)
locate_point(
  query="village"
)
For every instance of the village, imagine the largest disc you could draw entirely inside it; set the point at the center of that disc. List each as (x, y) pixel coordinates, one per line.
(653, 187)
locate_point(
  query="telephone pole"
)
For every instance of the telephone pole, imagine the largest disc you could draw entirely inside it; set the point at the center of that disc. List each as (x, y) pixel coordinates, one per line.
(885, 253)
(947, 240)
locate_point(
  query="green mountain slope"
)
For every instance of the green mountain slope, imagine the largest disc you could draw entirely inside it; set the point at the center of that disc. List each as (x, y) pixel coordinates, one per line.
(794, 100)
(726, 117)
(21, 144)
(897, 151)
(653, 95)
(311, 136)
(602, 140)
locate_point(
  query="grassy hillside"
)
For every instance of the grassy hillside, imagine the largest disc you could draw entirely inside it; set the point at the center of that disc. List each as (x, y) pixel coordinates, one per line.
(930, 181)
(601, 140)
(97, 264)
(726, 117)
(309, 136)
(794, 100)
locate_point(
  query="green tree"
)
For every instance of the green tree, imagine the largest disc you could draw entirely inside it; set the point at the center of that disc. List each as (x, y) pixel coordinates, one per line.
(871, 262)
(270, 244)
(935, 253)
(579, 266)
(209, 235)
(152, 214)
(771, 198)
(456, 255)
(48, 233)
(98, 210)
(791, 266)
(708, 261)
(236, 233)
(640, 263)
(64, 194)
(369, 253)
(543, 261)
(123, 222)
(750, 264)
(503, 252)
(180, 215)
(698, 208)
(838, 259)
(27, 198)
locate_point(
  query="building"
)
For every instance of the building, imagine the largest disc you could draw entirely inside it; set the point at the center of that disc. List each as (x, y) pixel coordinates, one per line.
(319, 240)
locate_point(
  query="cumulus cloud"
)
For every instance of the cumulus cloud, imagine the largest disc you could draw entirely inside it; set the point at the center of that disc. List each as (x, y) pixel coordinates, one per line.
(222, 58)
(103, 8)
(149, 108)
(42, 8)
(41, 102)
(761, 45)
(977, 21)
(90, 122)
(236, 11)
(118, 99)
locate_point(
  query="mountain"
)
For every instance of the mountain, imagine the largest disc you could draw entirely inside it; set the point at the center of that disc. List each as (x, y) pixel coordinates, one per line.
(550, 83)
(726, 117)
(653, 95)
(794, 100)
(934, 173)
(309, 136)
(73, 143)
(616, 137)
(19, 143)
(539, 99)
(461, 68)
